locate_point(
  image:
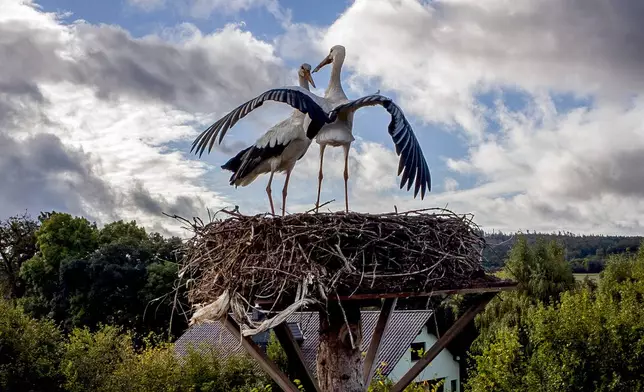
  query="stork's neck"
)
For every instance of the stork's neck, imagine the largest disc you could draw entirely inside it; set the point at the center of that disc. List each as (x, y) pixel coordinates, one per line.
(303, 82)
(335, 86)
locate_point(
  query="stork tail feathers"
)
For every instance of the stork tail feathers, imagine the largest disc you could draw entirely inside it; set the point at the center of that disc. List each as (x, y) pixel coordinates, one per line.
(244, 164)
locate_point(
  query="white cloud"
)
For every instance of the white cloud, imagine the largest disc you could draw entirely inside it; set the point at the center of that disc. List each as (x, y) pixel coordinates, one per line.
(578, 170)
(147, 5)
(113, 103)
(204, 8)
(118, 101)
(438, 56)
(450, 184)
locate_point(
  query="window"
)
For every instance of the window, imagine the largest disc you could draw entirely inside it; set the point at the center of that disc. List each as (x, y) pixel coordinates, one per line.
(417, 350)
(438, 383)
(454, 386)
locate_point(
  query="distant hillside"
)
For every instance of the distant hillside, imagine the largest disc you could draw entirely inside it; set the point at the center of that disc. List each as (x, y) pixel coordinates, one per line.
(586, 253)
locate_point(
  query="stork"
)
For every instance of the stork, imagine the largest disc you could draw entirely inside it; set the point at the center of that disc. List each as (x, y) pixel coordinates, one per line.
(330, 119)
(277, 150)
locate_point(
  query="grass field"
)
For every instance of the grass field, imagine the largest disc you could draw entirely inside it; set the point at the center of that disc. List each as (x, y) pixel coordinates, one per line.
(580, 277)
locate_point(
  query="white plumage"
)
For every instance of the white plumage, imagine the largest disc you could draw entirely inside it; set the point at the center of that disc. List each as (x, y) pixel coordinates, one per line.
(277, 150)
(329, 120)
(339, 133)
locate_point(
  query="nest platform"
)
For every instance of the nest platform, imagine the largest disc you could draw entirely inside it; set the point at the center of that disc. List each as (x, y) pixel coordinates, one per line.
(334, 263)
(264, 259)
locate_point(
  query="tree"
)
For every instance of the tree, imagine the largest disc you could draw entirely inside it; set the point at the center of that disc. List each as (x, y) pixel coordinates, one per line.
(17, 245)
(60, 237)
(585, 340)
(121, 231)
(541, 270)
(120, 275)
(104, 286)
(30, 351)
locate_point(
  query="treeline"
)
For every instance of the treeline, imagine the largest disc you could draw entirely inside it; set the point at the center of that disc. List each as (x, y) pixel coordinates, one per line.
(585, 253)
(37, 356)
(556, 334)
(66, 269)
(84, 308)
(89, 308)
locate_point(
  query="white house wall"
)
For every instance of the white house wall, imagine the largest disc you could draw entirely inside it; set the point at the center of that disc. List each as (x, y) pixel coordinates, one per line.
(443, 365)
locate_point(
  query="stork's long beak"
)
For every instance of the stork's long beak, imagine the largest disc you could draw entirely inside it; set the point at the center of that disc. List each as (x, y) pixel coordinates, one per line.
(308, 77)
(327, 60)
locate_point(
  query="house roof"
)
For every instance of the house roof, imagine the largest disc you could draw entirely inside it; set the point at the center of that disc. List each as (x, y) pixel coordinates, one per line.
(403, 328)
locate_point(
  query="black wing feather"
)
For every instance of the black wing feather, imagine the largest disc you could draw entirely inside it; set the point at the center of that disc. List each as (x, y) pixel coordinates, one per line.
(412, 162)
(296, 99)
(249, 158)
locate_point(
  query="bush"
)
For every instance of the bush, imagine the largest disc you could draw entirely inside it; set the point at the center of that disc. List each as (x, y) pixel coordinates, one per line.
(105, 361)
(91, 358)
(30, 351)
(588, 340)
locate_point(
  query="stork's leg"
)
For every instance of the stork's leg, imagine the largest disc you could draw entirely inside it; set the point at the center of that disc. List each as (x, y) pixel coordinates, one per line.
(268, 191)
(284, 190)
(320, 176)
(346, 175)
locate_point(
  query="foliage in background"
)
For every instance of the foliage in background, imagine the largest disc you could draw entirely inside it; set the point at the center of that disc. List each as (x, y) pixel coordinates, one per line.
(35, 356)
(30, 352)
(98, 293)
(585, 253)
(17, 245)
(82, 276)
(549, 336)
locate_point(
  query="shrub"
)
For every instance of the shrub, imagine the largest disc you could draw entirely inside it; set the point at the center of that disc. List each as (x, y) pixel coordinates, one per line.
(30, 351)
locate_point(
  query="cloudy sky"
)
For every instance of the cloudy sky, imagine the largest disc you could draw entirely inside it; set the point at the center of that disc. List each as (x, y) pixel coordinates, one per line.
(530, 112)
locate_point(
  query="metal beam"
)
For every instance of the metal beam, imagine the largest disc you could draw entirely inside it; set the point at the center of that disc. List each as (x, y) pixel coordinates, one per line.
(383, 319)
(295, 357)
(258, 354)
(444, 340)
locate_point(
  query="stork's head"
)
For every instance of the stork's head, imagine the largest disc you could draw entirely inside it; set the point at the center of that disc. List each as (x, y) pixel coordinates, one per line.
(336, 54)
(305, 72)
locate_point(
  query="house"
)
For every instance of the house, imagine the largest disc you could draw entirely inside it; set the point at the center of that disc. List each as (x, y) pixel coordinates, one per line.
(406, 333)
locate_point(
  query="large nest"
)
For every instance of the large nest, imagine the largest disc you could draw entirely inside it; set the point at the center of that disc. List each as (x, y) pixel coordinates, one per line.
(311, 257)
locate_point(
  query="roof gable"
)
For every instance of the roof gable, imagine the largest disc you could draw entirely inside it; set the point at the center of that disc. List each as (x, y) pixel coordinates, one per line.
(404, 326)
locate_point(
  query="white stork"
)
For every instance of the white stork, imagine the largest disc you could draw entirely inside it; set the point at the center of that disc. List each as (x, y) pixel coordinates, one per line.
(277, 150)
(330, 119)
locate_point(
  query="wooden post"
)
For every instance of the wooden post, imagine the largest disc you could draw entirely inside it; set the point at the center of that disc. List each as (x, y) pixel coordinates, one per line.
(444, 340)
(295, 357)
(383, 319)
(258, 354)
(339, 364)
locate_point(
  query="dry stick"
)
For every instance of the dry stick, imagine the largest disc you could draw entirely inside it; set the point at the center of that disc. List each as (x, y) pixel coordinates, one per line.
(321, 205)
(263, 258)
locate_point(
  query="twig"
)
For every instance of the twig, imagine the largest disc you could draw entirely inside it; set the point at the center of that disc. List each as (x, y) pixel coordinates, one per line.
(266, 258)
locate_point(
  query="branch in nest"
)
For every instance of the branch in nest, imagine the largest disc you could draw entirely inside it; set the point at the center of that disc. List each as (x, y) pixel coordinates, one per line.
(259, 257)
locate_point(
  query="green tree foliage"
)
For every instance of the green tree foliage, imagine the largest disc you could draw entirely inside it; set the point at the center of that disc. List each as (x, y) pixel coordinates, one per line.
(29, 352)
(585, 253)
(17, 245)
(541, 270)
(90, 359)
(542, 274)
(276, 353)
(60, 238)
(122, 232)
(119, 275)
(585, 339)
(35, 356)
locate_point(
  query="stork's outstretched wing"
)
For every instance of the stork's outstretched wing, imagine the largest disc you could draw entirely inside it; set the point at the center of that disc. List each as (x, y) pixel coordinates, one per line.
(295, 96)
(412, 162)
